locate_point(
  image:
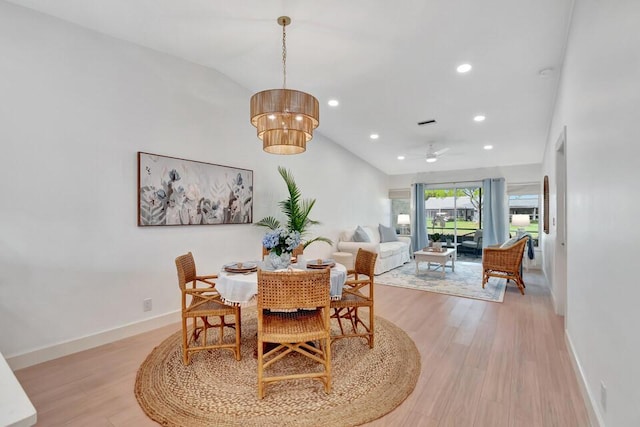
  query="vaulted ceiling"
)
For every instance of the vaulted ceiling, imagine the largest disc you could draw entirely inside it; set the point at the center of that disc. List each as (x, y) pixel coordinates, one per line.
(389, 64)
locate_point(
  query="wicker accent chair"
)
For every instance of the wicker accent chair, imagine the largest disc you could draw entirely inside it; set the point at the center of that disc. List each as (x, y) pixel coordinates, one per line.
(199, 304)
(299, 250)
(293, 309)
(504, 263)
(357, 293)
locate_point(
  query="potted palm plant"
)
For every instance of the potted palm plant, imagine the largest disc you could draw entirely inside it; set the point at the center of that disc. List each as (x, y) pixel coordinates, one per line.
(297, 211)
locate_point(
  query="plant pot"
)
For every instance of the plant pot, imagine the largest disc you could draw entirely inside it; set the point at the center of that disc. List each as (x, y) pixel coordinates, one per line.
(437, 245)
(278, 262)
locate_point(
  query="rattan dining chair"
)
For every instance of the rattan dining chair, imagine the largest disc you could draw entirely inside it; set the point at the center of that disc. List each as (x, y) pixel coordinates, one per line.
(504, 263)
(293, 310)
(200, 304)
(357, 293)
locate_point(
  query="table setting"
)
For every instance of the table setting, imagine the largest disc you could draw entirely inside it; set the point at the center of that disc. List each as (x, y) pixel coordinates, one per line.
(238, 281)
(241, 267)
(320, 263)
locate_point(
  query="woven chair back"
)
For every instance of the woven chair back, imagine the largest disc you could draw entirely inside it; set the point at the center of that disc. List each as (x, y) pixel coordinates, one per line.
(365, 262)
(186, 269)
(293, 289)
(299, 250)
(508, 259)
(512, 258)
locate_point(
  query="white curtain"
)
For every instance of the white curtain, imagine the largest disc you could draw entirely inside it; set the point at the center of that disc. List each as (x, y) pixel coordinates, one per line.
(419, 221)
(495, 214)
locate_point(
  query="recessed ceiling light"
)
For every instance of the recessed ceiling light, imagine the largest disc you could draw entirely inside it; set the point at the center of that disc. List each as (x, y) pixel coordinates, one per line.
(333, 103)
(464, 68)
(479, 118)
(400, 157)
(374, 136)
(271, 116)
(299, 118)
(488, 147)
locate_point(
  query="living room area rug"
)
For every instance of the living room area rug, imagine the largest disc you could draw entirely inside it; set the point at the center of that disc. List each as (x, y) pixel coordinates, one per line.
(465, 282)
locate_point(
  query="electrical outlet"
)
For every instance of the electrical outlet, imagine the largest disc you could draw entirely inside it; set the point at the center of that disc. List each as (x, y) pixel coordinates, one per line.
(147, 305)
(603, 396)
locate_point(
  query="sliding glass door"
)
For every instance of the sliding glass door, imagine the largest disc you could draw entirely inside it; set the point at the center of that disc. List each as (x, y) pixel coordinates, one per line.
(453, 212)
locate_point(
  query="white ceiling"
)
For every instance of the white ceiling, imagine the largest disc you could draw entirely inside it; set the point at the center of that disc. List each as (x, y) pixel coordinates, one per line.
(391, 65)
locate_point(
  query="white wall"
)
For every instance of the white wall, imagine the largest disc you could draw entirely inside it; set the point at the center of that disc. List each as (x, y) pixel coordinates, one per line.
(75, 108)
(599, 102)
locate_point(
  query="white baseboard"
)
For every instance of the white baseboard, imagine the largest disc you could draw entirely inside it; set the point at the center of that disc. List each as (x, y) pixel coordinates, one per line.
(554, 303)
(73, 346)
(589, 402)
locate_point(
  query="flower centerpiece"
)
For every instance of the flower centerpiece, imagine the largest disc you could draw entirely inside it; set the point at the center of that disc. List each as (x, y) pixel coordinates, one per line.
(280, 243)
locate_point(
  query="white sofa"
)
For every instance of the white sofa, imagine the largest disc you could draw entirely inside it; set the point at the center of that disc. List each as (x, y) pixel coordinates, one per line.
(390, 254)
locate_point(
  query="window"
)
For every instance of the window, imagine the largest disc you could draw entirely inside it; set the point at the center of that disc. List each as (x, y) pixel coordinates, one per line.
(400, 205)
(525, 204)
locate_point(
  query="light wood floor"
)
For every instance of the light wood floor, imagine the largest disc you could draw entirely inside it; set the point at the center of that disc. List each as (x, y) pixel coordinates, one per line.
(483, 364)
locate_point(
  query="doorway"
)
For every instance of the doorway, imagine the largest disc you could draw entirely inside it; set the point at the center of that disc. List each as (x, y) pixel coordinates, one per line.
(560, 259)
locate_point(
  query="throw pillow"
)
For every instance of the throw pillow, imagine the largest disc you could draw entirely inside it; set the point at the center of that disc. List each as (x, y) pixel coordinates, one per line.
(387, 234)
(373, 237)
(360, 235)
(509, 242)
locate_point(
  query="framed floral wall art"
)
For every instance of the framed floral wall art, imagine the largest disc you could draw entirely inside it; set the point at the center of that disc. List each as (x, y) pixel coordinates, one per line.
(173, 191)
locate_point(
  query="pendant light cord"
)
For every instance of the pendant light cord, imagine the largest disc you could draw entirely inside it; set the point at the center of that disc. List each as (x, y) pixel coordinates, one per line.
(284, 56)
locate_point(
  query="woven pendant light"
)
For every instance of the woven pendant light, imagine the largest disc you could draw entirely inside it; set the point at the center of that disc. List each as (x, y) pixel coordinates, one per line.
(285, 118)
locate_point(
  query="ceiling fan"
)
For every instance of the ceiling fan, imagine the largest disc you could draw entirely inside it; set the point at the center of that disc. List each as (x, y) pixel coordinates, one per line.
(433, 155)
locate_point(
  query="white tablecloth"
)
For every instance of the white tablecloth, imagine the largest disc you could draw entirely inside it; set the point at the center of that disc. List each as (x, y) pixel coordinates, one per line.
(241, 289)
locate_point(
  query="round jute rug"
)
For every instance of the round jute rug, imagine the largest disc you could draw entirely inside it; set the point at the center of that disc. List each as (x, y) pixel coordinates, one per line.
(217, 390)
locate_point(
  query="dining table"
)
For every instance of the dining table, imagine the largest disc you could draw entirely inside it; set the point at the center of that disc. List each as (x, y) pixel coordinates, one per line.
(241, 288)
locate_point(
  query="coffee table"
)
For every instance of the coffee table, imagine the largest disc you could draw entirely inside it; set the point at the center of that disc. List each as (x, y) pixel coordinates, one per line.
(440, 258)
